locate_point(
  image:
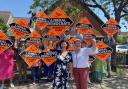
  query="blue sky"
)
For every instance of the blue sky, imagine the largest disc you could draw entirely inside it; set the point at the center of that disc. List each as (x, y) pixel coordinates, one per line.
(18, 8)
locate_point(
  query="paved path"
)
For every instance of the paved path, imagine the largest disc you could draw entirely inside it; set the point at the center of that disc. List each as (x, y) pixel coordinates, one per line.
(109, 83)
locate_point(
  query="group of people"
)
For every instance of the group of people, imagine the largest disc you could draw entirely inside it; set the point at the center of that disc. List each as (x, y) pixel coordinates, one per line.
(77, 61)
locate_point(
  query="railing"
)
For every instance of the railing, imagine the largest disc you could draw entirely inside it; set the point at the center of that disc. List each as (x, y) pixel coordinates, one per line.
(120, 60)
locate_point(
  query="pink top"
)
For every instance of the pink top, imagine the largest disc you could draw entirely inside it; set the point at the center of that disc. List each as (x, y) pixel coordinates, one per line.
(6, 64)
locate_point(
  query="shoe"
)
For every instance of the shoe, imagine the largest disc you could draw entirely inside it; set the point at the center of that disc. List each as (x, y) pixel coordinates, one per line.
(12, 85)
(34, 83)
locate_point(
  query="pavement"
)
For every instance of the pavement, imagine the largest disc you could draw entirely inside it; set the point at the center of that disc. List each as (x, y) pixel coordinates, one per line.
(115, 82)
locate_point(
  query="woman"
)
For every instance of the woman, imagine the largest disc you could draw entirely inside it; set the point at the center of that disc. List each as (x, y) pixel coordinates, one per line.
(6, 66)
(60, 71)
(22, 66)
(48, 70)
(81, 63)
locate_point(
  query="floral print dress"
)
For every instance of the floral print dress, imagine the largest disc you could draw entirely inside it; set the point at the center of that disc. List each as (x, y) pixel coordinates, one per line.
(60, 72)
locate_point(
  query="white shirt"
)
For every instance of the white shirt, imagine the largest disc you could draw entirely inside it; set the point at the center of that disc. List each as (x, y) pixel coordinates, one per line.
(81, 59)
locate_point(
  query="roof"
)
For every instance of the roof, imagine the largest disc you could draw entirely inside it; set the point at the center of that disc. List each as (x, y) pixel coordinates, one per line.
(4, 15)
(124, 33)
(17, 18)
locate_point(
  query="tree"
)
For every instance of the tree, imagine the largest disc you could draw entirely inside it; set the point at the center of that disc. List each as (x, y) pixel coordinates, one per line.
(118, 8)
(122, 40)
(3, 26)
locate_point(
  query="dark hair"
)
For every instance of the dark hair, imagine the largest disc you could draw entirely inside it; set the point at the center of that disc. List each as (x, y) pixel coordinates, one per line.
(62, 42)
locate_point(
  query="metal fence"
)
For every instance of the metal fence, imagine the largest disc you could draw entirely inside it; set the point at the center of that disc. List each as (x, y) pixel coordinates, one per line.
(120, 59)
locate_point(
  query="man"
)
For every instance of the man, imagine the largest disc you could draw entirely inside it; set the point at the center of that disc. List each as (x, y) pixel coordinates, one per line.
(81, 63)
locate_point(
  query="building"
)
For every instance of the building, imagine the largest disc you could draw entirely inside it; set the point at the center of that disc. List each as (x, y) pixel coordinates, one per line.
(8, 18)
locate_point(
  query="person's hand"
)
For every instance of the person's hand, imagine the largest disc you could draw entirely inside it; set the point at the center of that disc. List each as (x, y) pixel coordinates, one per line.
(94, 41)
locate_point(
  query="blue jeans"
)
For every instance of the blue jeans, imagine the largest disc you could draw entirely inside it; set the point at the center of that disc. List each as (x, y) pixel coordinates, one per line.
(36, 73)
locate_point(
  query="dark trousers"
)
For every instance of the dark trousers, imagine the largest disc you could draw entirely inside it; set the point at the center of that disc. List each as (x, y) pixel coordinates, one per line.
(36, 73)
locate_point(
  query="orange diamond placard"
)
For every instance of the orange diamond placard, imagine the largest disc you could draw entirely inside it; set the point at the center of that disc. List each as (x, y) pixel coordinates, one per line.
(34, 38)
(20, 28)
(111, 27)
(71, 48)
(4, 42)
(49, 57)
(72, 40)
(31, 55)
(41, 20)
(103, 51)
(58, 22)
(85, 27)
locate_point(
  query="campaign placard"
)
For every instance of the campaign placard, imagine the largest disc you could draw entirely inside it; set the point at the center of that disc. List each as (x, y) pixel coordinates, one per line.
(20, 28)
(58, 22)
(104, 51)
(111, 27)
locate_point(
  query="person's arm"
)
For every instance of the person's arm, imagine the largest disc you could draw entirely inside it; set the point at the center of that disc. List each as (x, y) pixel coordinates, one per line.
(93, 44)
(93, 50)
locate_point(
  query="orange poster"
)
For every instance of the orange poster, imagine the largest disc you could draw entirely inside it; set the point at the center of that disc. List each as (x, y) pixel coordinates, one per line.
(58, 22)
(4, 42)
(103, 51)
(20, 28)
(41, 20)
(72, 40)
(71, 48)
(48, 60)
(49, 57)
(34, 38)
(85, 27)
(31, 55)
(111, 27)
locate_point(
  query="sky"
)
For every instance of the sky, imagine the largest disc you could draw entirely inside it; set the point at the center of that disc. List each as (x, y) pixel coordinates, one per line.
(19, 8)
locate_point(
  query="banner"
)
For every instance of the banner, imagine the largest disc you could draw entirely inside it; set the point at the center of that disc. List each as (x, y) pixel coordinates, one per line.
(4, 42)
(58, 23)
(111, 27)
(104, 51)
(41, 20)
(31, 55)
(20, 28)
